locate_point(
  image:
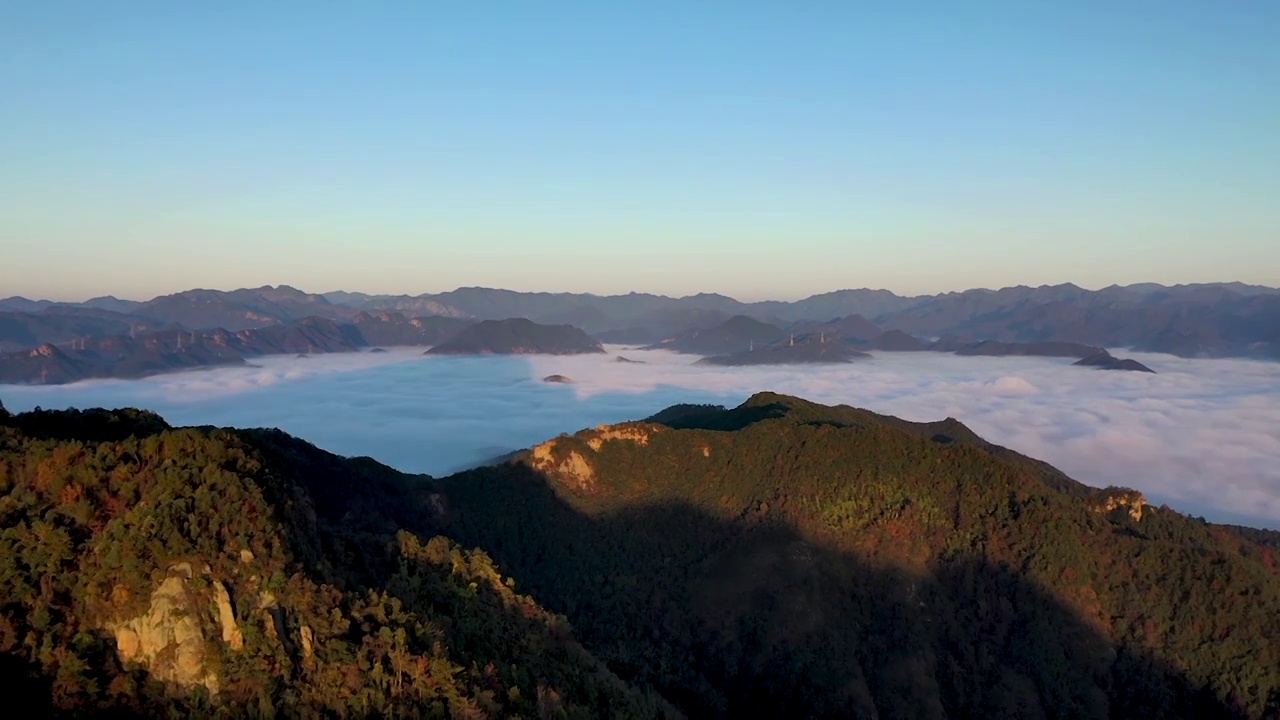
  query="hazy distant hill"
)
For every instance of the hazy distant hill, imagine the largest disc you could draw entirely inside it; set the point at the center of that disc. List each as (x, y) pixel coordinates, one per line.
(737, 334)
(995, 348)
(1208, 320)
(893, 341)
(1222, 319)
(1104, 360)
(140, 355)
(387, 328)
(56, 324)
(805, 349)
(398, 303)
(854, 328)
(517, 336)
(239, 309)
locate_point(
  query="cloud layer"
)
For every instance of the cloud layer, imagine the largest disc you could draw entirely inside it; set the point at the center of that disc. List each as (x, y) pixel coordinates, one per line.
(1202, 435)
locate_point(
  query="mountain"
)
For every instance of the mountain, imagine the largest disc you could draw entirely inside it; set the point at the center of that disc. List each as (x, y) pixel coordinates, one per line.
(57, 324)
(134, 356)
(121, 356)
(244, 309)
(1088, 355)
(420, 306)
(995, 348)
(785, 559)
(778, 559)
(893, 341)
(852, 328)
(653, 327)
(388, 328)
(1106, 361)
(112, 303)
(737, 334)
(1202, 320)
(635, 318)
(17, 303)
(869, 303)
(149, 571)
(1212, 320)
(806, 349)
(517, 336)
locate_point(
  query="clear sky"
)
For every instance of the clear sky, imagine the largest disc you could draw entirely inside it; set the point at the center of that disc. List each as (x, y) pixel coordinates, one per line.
(760, 149)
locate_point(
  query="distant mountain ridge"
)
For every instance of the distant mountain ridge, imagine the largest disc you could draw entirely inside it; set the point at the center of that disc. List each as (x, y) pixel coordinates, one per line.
(128, 356)
(518, 336)
(175, 349)
(1198, 320)
(741, 340)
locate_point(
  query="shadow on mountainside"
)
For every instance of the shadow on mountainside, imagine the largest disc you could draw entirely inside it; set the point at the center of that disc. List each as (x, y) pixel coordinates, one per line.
(726, 612)
(743, 616)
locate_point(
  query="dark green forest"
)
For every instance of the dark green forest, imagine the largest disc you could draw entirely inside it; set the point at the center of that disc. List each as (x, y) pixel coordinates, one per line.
(339, 609)
(778, 559)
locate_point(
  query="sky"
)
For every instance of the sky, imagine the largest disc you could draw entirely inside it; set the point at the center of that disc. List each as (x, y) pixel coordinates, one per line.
(1201, 435)
(758, 149)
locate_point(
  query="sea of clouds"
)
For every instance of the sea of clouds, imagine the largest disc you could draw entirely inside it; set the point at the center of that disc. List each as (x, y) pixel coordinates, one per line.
(1201, 435)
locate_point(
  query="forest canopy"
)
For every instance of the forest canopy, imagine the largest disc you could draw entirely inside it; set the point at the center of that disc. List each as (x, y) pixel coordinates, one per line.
(780, 558)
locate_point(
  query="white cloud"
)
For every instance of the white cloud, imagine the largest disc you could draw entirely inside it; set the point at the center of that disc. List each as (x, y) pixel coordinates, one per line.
(1202, 435)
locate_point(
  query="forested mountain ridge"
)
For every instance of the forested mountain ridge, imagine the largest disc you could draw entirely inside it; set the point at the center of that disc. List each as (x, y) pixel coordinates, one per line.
(785, 558)
(780, 558)
(155, 572)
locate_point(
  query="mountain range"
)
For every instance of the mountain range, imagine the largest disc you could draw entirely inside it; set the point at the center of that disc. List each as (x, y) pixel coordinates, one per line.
(133, 356)
(1203, 320)
(745, 341)
(777, 559)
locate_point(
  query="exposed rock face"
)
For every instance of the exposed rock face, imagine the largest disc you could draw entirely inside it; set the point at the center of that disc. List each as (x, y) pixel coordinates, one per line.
(574, 468)
(1131, 499)
(168, 639)
(605, 433)
(307, 640)
(227, 617)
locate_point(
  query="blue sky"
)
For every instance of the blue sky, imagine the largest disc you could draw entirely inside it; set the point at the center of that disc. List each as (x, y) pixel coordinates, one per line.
(757, 149)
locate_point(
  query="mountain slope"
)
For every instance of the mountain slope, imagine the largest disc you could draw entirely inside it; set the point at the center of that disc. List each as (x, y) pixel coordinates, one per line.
(517, 336)
(57, 325)
(789, 559)
(737, 334)
(814, 348)
(1204, 320)
(159, 572)
(129, 356)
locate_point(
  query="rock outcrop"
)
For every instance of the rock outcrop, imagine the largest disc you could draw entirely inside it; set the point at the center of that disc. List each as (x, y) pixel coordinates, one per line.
(169, 639)
(1131, 499)
(566, 460)
(231, 634)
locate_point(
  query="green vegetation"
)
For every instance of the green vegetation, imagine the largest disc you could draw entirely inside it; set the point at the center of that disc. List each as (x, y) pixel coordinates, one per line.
(778, 559)
(334, 609)
(788, 559)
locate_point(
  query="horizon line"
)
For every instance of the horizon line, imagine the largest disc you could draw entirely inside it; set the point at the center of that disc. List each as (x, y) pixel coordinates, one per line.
(287, 286)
